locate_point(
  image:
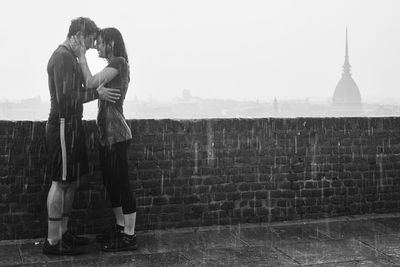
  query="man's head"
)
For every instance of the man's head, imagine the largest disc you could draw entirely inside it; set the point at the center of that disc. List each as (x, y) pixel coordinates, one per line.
(84, 27)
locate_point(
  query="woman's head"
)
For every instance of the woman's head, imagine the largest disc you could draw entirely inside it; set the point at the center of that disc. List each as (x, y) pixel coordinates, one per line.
(111, 44)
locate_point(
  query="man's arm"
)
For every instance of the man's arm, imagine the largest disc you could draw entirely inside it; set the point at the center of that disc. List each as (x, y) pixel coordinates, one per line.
(64, 78)
(67, 91)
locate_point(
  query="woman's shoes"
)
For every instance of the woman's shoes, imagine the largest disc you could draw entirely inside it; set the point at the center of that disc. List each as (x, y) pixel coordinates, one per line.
(121, 242)
(116, 240)
(110, 234)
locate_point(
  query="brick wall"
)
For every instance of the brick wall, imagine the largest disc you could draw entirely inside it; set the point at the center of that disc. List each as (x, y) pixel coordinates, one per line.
(219, 171)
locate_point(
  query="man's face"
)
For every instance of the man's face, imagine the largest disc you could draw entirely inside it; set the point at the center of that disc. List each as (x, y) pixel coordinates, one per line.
(89, 41)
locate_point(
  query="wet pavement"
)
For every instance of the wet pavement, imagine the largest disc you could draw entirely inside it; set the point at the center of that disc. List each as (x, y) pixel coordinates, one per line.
(367, 240)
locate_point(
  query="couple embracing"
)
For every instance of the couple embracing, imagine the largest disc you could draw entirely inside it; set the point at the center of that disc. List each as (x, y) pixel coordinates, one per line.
(71, 84)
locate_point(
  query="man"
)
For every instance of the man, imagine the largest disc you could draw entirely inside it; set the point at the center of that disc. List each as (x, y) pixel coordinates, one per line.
(65, 137)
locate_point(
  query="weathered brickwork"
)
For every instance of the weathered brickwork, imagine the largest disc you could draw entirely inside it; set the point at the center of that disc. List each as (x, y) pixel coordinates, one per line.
(219, 171)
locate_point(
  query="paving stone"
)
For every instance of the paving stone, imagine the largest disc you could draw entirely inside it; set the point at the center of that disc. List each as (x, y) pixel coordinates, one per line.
(163, 242)
(245, 256)
(132, 259)
(299, 232)
(337, 242)
(319, 252)
(364, 263)
(32, 253)
(350, 229)
(50, 263)
(387, 244)
(391, 225)
(9, 254)
(256, 236)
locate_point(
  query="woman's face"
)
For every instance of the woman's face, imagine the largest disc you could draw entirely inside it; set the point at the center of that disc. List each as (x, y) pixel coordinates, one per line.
(101, 47)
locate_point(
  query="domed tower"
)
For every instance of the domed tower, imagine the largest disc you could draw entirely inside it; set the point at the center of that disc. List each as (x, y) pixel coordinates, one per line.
(347, 96)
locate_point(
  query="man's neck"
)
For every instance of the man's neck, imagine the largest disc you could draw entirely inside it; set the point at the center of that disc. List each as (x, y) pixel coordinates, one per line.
(67, 44)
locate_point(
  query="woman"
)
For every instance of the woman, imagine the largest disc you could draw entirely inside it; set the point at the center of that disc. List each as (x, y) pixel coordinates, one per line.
(115, 135)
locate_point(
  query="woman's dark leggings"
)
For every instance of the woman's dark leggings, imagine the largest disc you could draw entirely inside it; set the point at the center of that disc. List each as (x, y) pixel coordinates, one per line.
(114, 167)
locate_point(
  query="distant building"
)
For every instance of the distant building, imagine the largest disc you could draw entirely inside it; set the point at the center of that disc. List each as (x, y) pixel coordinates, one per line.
(347, 98)
(275, 107)
(187, 97)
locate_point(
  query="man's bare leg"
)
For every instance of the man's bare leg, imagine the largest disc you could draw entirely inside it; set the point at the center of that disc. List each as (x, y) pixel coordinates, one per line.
(55, 207)
(68, 201)
(55, 204)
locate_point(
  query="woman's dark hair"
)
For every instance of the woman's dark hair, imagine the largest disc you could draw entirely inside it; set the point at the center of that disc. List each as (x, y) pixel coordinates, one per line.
(110, 35)
(84, 25)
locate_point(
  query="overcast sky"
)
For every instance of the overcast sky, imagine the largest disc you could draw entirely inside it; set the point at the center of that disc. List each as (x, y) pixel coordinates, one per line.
(246, 50)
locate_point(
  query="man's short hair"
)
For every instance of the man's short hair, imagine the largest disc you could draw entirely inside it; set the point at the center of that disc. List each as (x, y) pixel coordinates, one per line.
(84, 25)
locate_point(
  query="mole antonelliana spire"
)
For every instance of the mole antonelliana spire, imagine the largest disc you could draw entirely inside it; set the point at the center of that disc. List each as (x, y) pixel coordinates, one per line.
(346, 65)
(347, 95)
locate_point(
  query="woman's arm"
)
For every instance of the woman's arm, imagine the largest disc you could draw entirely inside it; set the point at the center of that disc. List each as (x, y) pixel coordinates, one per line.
(94, 81)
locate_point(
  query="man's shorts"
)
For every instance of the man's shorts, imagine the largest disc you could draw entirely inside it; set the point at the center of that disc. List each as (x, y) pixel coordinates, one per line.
(66, 149)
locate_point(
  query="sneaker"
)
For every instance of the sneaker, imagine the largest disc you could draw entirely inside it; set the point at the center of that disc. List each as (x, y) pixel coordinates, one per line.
(74, 240)
(110, 235)
(61, 248)
(120, 243)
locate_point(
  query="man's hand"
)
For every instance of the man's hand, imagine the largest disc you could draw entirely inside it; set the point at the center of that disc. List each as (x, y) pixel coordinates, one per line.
(108, 94)
(77, 44)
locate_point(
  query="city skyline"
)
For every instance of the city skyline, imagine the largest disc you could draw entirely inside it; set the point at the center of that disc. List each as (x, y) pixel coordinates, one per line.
(188, 106)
